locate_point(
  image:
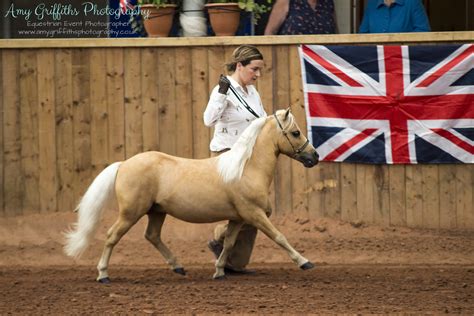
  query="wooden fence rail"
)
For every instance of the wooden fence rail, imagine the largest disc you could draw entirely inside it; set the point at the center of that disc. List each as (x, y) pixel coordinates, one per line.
(69, 108)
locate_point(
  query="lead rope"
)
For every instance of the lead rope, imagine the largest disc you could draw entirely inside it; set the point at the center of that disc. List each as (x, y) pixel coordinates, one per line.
(241, 100)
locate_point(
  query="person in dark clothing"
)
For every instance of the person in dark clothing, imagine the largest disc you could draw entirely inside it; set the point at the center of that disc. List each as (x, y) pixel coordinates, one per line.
(293, 17)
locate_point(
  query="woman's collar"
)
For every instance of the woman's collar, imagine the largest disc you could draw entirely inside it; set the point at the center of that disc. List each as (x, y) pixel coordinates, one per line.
(238, 86)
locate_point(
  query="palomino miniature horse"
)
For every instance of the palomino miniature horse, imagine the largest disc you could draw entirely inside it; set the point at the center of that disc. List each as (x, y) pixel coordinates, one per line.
(233, 186)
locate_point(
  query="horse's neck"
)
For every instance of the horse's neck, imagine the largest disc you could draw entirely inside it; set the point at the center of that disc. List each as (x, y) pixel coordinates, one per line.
(264, 157)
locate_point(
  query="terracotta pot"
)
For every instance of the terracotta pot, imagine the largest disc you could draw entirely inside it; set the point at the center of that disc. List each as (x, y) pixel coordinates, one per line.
(159, 20)
(224, 18)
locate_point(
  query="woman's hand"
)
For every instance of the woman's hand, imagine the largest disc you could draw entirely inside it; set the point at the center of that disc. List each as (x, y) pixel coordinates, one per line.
(224, 84)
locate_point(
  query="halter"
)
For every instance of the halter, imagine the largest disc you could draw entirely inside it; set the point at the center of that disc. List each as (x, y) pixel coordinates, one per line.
(296, 150)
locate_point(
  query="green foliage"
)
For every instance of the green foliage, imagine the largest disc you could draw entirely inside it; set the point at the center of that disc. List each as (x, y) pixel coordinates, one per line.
(160, 3)
(252, 6)
(249, 6)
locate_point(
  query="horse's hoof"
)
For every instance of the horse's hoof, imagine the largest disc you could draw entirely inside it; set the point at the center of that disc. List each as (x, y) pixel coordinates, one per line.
(308, 265)
(179, 271)
(220, 277)
(105, 280)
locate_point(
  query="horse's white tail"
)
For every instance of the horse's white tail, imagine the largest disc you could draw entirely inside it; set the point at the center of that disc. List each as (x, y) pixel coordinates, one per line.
(90, 208)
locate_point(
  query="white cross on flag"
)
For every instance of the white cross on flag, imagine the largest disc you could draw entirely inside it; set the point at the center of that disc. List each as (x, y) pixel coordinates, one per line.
(390, 104)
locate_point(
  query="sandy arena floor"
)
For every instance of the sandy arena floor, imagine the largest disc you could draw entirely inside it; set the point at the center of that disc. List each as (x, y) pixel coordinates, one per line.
(359, 269)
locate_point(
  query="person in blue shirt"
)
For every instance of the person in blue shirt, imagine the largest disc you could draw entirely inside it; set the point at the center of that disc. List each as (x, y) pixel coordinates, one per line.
(394, 16)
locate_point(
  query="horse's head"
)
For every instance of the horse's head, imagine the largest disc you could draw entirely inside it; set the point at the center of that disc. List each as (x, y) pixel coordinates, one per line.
(292, 142)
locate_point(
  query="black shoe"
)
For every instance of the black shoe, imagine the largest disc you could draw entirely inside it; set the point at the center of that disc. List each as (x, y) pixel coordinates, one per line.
(215, 247)
(232, 271)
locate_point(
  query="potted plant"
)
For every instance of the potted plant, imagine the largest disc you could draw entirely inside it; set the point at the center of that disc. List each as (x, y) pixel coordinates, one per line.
(224, 15)
(255, 8)
(158, 16)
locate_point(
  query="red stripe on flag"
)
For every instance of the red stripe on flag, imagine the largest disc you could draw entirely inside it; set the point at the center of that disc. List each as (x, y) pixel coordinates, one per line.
(440, 72)
(378, 108)
(351, 142)
(456, 140)
(394, 72)
(331, 68)
(398, 115)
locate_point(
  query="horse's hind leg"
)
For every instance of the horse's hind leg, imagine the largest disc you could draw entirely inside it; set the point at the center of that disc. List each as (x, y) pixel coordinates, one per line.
(152, 234)
(115, 233)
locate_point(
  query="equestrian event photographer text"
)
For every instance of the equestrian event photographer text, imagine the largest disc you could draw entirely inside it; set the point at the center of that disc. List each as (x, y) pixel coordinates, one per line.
(58, 10)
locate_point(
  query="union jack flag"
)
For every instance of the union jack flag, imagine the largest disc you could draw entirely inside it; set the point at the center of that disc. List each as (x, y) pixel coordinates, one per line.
(390, 104)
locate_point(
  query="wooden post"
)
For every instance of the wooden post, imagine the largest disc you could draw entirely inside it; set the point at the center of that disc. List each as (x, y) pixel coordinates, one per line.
(184, 105)
(151, 82)
(29, 131)
(298, 176)
(13, 179)
(116, 103)
(81, 121)
(200, 91)
(65, 130)
(166, 100)
(133, 103)
(47, 131)
(99, 110)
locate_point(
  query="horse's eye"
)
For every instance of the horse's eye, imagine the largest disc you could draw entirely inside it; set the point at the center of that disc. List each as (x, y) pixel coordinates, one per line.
(296, 133)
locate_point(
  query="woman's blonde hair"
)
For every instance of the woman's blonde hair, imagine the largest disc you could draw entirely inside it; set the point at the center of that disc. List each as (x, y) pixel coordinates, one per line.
(243, 54)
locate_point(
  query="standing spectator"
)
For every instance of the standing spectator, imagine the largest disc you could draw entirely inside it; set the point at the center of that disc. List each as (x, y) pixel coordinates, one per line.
(394, 16)
(292, 17)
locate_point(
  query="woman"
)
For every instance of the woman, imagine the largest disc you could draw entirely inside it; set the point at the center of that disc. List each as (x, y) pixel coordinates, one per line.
(293, 17)
(234, 103)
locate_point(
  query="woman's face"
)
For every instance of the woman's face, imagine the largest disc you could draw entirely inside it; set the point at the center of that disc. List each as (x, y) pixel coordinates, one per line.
(250, 73)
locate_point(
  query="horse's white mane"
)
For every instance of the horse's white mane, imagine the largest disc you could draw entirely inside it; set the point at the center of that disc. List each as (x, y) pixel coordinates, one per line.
(231, 163)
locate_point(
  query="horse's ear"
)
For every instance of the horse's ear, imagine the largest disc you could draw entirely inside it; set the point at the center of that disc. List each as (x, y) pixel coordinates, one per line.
(287, 113)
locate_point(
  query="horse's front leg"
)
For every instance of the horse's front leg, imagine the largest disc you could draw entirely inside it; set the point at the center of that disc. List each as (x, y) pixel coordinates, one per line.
(258, 219)
(233, 229)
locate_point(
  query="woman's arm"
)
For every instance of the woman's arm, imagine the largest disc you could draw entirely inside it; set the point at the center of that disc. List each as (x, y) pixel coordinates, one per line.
(277, 16)
(215, 107)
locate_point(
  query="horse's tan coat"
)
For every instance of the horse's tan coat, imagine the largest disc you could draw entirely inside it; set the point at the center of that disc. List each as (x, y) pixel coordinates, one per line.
(157, 184)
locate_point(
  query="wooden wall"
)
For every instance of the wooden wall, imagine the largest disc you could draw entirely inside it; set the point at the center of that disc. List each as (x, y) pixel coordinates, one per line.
(69, 110)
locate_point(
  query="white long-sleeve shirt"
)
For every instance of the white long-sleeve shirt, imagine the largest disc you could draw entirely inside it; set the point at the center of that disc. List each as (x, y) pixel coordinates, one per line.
(229, 117)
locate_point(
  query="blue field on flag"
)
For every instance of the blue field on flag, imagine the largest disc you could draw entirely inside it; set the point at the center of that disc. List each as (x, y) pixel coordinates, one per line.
(390, 104)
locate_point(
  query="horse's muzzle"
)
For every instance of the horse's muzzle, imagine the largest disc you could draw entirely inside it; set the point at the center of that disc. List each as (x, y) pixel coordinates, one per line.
(308, 159)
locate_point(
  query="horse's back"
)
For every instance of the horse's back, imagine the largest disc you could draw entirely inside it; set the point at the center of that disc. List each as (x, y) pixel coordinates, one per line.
(188, 189)
(155, 168)
(154, 160)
